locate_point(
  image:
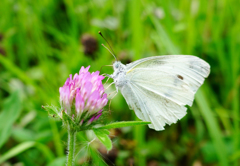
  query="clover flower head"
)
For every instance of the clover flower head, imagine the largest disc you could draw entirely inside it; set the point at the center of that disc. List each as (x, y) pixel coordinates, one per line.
(82, 97)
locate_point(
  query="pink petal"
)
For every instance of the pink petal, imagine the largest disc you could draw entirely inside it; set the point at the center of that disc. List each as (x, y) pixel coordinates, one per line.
(90, 120)
(79, 102)
(96, 118)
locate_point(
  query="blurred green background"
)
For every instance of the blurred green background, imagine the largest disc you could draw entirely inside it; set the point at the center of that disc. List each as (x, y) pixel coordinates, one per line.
(43, 41)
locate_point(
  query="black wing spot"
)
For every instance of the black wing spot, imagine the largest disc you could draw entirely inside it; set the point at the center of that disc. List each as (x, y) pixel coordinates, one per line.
(180, 77)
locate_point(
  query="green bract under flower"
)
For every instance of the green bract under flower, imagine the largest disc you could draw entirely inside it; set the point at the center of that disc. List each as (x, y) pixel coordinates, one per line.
(82, 97)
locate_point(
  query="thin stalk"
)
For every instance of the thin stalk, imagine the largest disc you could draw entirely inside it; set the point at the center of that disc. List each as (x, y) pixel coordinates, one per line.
(71, 147)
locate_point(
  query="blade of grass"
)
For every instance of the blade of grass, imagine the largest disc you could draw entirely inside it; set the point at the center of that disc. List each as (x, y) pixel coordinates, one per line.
(25, 146)
(56, 138)
(163, 36)
(233, 43)
(213, 128)
(137, 41)
(136, 27)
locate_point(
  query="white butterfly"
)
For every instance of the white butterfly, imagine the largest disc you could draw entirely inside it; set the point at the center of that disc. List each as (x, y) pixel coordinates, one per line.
(158, 88)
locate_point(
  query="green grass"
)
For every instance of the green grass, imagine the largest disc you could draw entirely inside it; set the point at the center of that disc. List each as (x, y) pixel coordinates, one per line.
(41, 40)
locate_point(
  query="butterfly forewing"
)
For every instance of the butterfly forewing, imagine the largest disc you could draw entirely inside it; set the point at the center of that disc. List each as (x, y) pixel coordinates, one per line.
(190, 69)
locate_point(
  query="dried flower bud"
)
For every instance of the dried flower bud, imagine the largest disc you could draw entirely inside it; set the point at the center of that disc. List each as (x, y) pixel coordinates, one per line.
(124, 57)
(1, 36)
(90, 45)
(2, 51)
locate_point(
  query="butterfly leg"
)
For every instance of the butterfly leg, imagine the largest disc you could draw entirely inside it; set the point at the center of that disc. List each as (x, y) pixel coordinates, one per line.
(109, 85)
(111, 98)
(110, 76)
(104, 66)
(106, 81)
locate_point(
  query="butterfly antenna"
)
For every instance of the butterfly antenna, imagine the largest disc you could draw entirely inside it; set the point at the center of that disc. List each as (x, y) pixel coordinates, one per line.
(112, 52)
(109, 51)
(104, 66)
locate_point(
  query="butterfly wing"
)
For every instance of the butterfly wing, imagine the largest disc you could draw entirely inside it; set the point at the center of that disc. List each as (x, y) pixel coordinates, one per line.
(159, 87)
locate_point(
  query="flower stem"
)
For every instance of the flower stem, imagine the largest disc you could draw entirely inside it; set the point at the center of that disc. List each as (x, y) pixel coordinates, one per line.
(71, 147)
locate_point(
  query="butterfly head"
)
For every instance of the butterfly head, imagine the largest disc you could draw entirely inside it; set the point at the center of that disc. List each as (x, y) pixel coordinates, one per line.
(118, 66)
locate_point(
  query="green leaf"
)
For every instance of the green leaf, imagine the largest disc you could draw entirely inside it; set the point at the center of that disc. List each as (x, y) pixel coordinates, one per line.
(102, 135)
(52, 110)
(123, 124)
(11, 111)
(104, 131)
